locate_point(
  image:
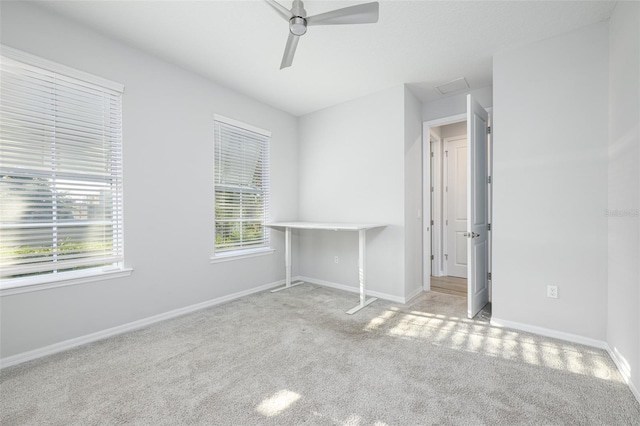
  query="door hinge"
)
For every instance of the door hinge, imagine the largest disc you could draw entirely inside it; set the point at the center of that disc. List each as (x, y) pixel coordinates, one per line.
(446, 153)
(432, 153)
(489, 179)
(431, 257)
(488, 227)
(446, 189)
(489, 276)
(446, 256)
(446, 222)
(431, 222)
(488, 130)
(432, 189)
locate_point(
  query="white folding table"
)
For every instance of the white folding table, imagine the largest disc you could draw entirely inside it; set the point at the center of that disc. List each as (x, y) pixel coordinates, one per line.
(360, 227)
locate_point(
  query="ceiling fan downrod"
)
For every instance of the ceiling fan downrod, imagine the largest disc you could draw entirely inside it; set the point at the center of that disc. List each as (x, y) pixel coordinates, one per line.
(298, 23)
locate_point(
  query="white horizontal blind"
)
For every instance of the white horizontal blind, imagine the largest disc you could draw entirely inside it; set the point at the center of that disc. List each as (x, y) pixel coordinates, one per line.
(60, 171)
(241, 165)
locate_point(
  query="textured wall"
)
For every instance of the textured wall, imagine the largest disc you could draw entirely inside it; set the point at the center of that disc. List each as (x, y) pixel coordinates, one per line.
(623, 314)
(550, 183)
(413, 215)
(352, 170)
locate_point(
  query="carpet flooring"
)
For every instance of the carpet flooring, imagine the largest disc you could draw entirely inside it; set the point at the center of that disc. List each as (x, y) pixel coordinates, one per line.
(295, 358)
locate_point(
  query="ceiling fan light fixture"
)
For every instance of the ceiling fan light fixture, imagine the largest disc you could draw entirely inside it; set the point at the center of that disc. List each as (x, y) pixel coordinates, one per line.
(298, 26)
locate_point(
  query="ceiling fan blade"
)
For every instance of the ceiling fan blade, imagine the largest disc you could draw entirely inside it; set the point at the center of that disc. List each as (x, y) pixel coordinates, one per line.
(360, 14)
(280, 9)
(289, 51)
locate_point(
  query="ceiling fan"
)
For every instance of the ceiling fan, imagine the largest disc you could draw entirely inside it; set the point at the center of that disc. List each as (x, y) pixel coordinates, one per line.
(366, 13)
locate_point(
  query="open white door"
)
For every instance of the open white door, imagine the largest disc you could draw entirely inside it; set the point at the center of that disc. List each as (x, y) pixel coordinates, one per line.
(477, 207)
(456, 157)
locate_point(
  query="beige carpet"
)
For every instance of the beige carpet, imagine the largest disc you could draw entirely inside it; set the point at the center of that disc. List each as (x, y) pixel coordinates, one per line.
(294, 357)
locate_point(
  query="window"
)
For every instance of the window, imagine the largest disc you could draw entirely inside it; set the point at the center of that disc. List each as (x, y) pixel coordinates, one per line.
(241, 173)
(60, 172)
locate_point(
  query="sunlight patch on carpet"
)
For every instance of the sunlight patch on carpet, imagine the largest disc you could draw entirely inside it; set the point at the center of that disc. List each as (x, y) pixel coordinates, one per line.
(380, 320)
(482, 338)
(277, 403)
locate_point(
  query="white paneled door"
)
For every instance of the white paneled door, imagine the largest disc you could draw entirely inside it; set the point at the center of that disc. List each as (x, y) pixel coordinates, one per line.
(477, 207)
(456, 193)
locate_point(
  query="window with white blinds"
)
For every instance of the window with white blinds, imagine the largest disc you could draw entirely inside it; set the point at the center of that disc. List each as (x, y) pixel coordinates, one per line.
(60, 171)
(241, 170)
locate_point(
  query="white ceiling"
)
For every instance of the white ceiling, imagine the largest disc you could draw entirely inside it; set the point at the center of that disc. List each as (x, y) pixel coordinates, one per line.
(422, 43)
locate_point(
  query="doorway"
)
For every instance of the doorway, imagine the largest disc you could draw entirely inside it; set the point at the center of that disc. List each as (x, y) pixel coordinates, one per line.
(457, 194)
(449, 208)
(449, 195)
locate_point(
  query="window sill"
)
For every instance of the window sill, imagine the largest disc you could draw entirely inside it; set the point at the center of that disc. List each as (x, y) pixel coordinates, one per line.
(241, 254)
(27, 285)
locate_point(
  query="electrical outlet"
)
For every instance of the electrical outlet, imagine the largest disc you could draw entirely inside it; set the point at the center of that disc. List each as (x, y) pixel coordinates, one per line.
(336, 259)
(552, 291)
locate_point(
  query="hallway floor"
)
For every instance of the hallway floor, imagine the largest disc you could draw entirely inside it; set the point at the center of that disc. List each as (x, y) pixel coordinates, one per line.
(449, 285)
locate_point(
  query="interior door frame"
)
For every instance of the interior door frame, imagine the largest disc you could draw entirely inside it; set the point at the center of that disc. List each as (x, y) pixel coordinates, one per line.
(426, 193)
(436, 174)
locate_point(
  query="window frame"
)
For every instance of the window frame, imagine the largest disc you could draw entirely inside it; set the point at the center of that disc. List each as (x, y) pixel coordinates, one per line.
(246, 252)
(51, 279)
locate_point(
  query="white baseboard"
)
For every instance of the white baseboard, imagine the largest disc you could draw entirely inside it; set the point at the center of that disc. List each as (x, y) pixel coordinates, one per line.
(547, 332)
(93, 337)
(624, 369)
(620, 363)
(351, 289)
(413, 295)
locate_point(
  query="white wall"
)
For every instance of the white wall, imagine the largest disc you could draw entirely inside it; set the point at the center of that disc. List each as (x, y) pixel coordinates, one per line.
(456, 104)
(413, 215)
(623, 313)
(454, 130)
(352, 170)
(168, 150)
(550, 183)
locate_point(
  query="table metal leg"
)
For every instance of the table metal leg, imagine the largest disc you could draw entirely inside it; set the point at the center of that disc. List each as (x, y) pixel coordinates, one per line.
(287, 263)
(362, 243)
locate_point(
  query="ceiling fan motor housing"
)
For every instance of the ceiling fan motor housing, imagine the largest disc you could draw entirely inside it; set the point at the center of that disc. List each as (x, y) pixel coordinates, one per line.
(297, 25)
